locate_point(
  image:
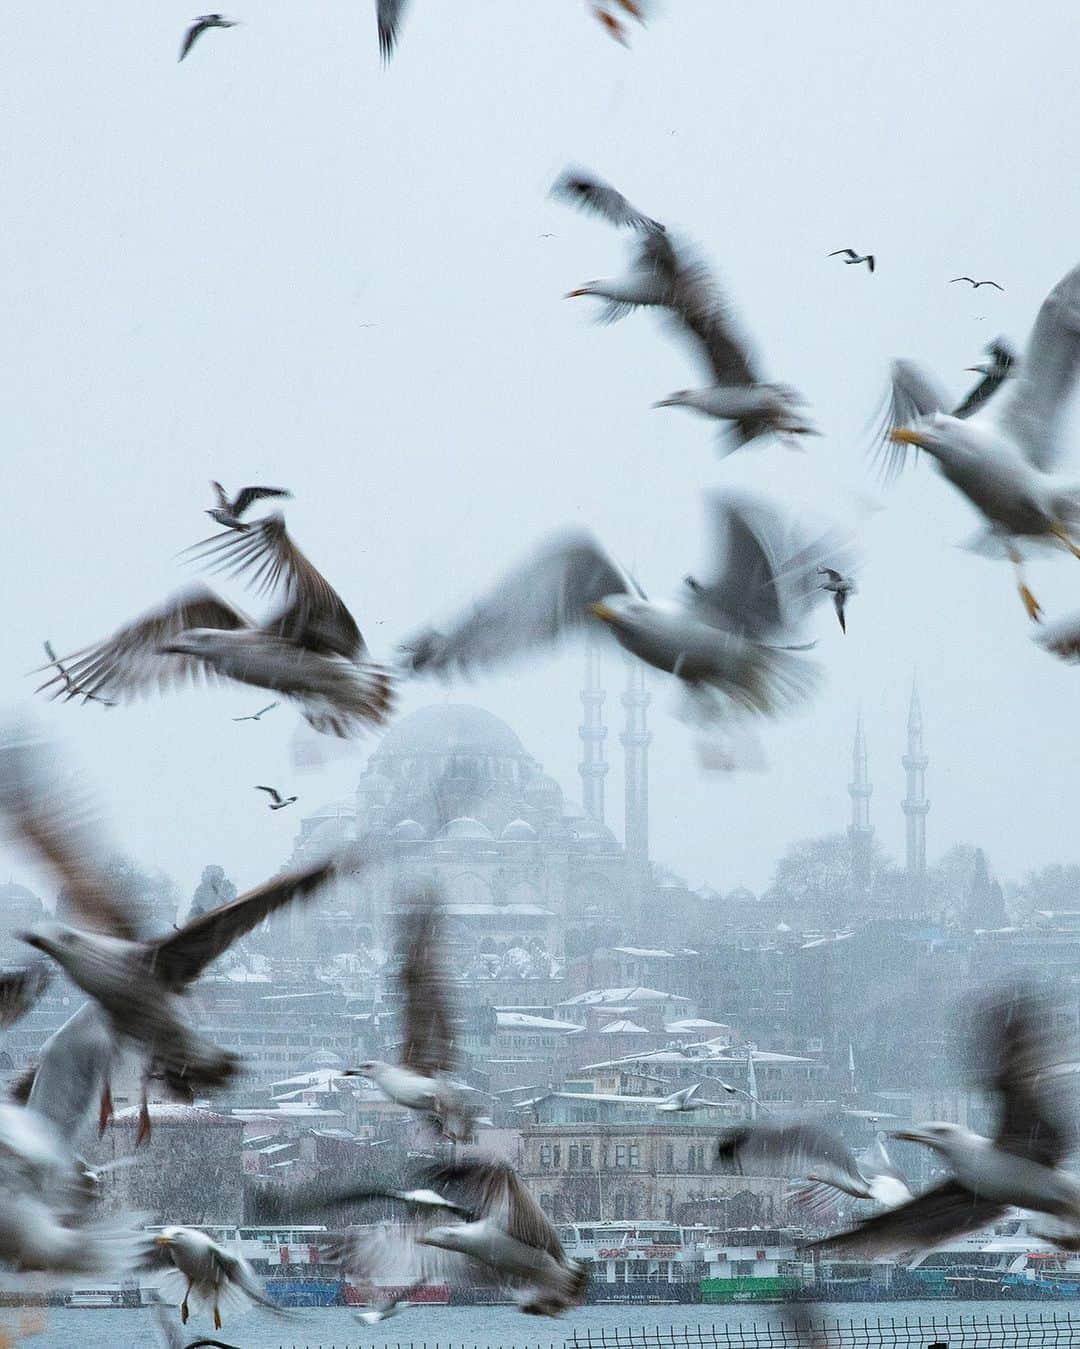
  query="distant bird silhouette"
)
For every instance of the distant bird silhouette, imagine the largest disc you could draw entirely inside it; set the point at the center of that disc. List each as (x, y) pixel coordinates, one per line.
(230, 513)
(277, 802)
(840, 587)
(255, 716)
(851, 258)
(613, 23)
(73, 689)
(975, 284)
(201, 24)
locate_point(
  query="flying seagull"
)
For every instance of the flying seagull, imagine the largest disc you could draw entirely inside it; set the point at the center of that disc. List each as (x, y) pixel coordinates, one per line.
(852, 259)
(257, 716)
(840, 587)
(200, 26)
(1021, 1166)
(204, 1270)
(231, 513)
(273, 1203)
(975, 284)
(197, 633)
(422, 1079)
(139, 984)
(666, 275)
(71, 688)
(728, 641)
(277, 801)
(914, 393)
(681, 1100)
(805, 1149)
(1003, 456)
(389, 1306)
(509, 1242)
(886, 1183)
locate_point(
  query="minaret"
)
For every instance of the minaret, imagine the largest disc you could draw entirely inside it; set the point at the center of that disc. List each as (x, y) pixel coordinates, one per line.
(635, 742)
(861, 832)
(593, 767)
(915, 803)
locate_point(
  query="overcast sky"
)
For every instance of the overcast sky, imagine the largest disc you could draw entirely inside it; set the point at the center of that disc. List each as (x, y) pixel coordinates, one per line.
(279, 262)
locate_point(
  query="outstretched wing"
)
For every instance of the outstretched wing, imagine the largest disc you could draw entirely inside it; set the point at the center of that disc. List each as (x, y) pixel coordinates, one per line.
(192, 35)
(388, 16)
(60, 829)
(129, 662)
(428, 1038)
(495, 1190)
(248, 495)
(542, 599)
(913, 393)
(803, 1149)
(1032, 411)
(316, 615)
(585, 190)
(20, 991)
(182, 956)
(73, 1070)
(1002, 360)
(946, 1211)
(272, 791)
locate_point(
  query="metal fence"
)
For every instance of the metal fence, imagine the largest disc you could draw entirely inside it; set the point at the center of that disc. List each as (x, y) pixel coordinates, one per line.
(1036, 1331)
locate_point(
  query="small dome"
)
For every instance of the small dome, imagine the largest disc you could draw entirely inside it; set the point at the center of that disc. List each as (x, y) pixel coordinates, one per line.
(334, 810)
(519, 830)
(330, 832)
(591, 831)
(18, 900)
(326, 1058)
(408, 831)
(465, 827)
(545, 793)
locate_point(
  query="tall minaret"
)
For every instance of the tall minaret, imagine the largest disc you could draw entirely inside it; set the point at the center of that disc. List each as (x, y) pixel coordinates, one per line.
(593, 767)
(915, 803)
(861, 831)
(635, 742)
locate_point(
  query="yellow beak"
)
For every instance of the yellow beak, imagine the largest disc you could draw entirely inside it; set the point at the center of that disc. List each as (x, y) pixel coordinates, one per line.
(902, 436)
(573, 294)
(162, 1241)
(602, 612)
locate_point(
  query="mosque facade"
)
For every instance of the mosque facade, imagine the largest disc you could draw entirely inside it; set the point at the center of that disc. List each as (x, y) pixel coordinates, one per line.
(455, 799)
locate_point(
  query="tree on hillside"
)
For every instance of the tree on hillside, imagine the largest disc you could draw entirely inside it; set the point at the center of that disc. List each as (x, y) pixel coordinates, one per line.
(814, 879)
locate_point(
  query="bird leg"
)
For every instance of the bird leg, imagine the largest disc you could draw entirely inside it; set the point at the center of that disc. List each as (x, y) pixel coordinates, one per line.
(1031, 604)
(1060, 532)
(105, 1112)
(143, 1134)
(217, 1317)
(184, 1312)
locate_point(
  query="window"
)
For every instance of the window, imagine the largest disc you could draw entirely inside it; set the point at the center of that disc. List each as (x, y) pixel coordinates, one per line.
(545, 1154)
(669, 1158)
(556, 1155)
(635, 1155)
(620, 1159)
(586, 1154)
(575, 1156)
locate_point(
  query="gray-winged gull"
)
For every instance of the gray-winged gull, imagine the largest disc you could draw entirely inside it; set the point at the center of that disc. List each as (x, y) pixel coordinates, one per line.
(200, 1269)
(201, 25)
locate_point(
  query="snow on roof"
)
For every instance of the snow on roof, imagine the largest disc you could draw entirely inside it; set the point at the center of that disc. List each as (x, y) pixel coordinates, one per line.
(527, 1021)
(644, 951)
(696, 1023)
(497, 910)
(617, 995)
(321, 1079)
(623, 1028)
(169, 1112)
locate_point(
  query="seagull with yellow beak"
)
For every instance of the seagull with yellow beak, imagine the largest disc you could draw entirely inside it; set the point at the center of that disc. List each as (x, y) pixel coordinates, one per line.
(213, 1275)
(1003, 457)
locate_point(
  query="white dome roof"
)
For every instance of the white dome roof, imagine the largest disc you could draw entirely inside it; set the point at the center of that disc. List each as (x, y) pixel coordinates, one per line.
(465, 827)
(520, 830)
(408, 831)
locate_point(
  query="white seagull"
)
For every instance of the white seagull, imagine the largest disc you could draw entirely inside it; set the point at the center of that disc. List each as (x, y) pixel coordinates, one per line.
(206, 1273)
(681, 1100)
(1002, 457)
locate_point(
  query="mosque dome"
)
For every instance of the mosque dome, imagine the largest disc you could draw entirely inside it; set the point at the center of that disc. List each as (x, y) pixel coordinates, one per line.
(586, 830)
(466, 828)
(448, 729)
(408, 831)
(329, 832)
(17, 903)
(333, 810)
(545, 794)
(519, 831)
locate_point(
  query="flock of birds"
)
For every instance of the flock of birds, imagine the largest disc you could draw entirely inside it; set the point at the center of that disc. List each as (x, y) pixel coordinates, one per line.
(735, 644)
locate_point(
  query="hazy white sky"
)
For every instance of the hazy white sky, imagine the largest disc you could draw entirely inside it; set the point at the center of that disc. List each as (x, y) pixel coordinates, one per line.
(191, 256)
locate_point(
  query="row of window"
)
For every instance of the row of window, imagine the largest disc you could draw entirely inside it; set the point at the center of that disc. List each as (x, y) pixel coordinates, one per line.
(580, 1156)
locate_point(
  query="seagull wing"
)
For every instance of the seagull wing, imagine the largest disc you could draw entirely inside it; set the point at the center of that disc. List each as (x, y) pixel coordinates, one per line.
(844, 253)
(316, 616)
(73, 1069)
(248, 495)
(388, 16)
(742, 593)
(60, 830)
(193, 34)
(495, 1190)
(946, 1211)
(20, 991)
(830, 573)
(543, 598)
(969, 279)
(263, 710)
(221, 495)
(794, 1150)
(1004, 358)
(242, 1276)
(182, 956)
(585, 190)
(274, 794)
(838, 605)
(1032, 411)
(425, 988)
(129, 663)
(913, 393)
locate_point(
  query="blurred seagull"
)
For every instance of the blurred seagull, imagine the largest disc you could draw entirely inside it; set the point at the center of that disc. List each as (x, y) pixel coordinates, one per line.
(139, 984)
(728, 640)
(681, 1100)
(840, 587)
(1021, 1166)
(421, 1081)
(807, 1150)
(70, 687)
(277, 801)
(581, 188)
(886, 1182)
(852, 259)
(975, 284)
(212, 1274)
(230, 513)
(258, 716)
(389, 1306)
(1001, 457)
(508, 1242)
(200, 26)
(295, 653)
